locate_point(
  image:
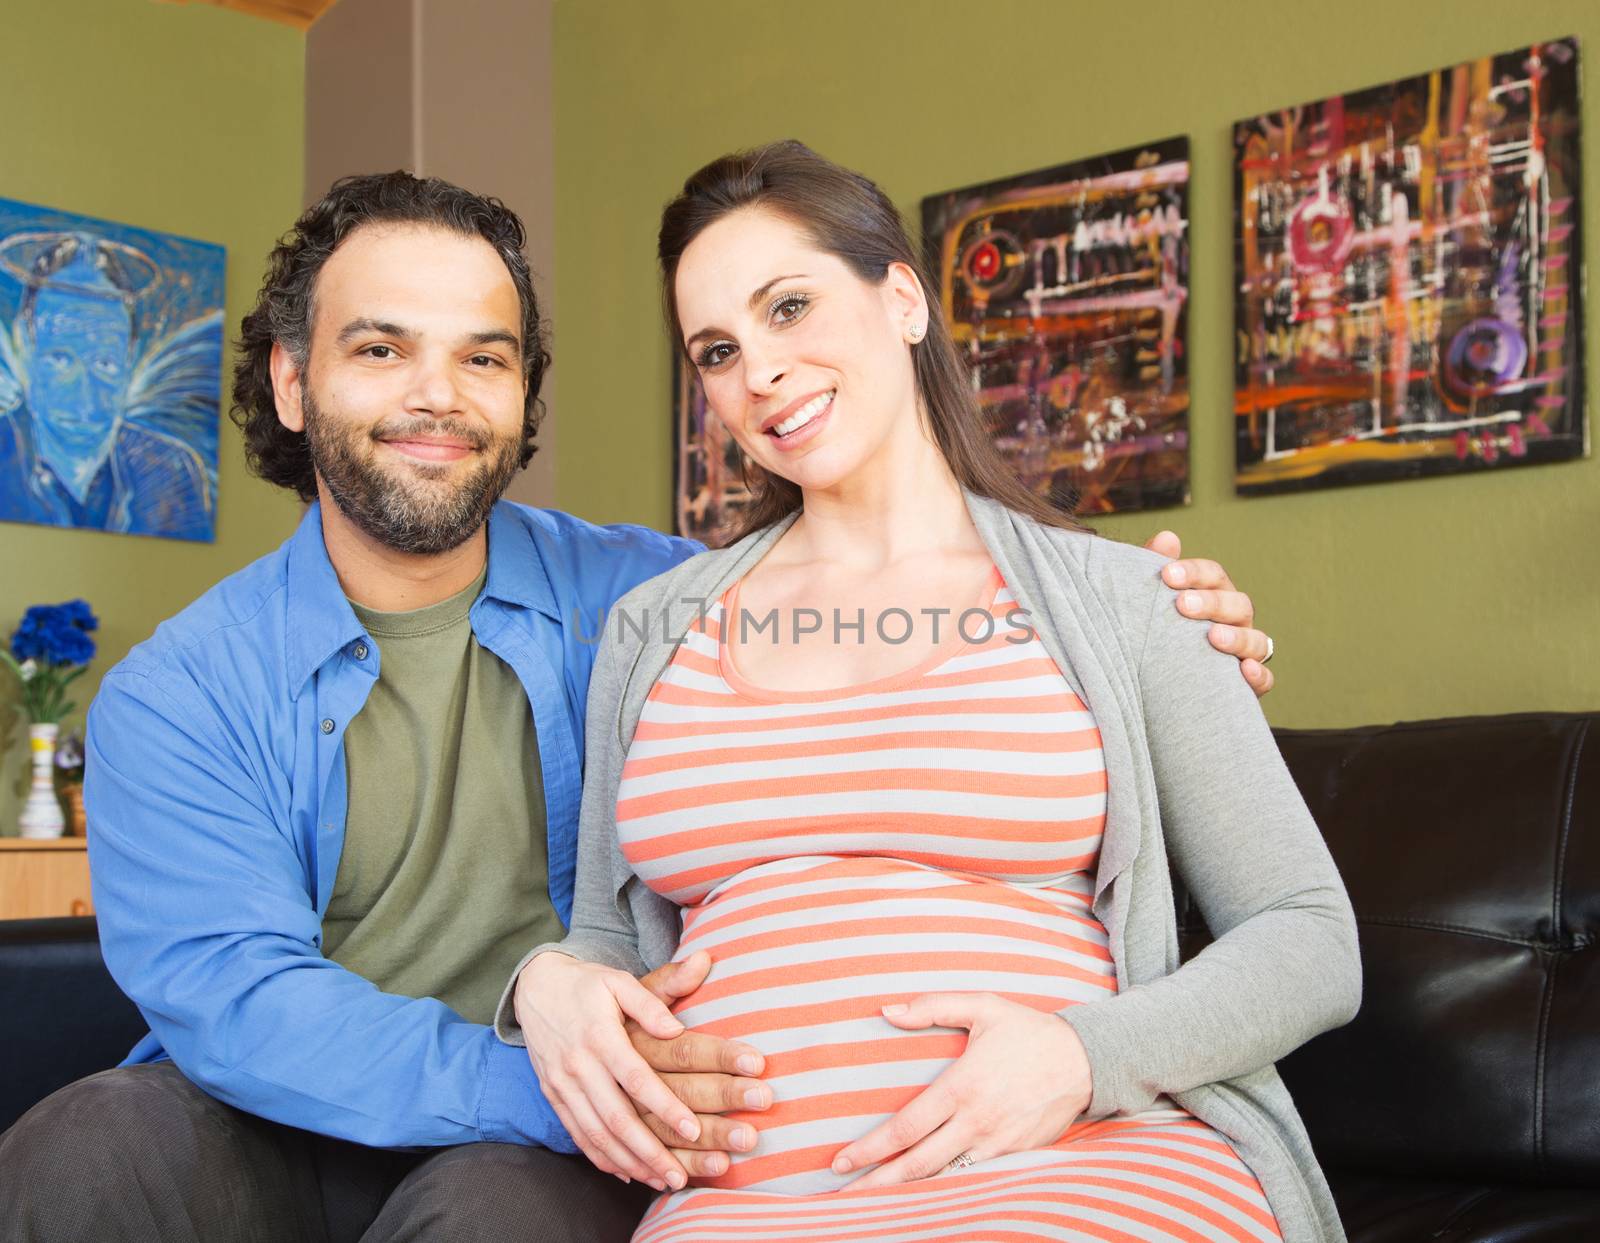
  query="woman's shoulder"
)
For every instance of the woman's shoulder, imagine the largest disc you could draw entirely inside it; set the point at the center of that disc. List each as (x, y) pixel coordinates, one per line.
(1137, 609)
(1124, 568)
(1125, 577)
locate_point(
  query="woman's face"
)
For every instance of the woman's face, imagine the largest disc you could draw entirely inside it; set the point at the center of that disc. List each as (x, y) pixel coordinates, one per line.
(807, 365)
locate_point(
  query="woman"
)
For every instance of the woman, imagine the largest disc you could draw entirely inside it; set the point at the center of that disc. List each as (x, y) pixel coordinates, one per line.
(931, 865)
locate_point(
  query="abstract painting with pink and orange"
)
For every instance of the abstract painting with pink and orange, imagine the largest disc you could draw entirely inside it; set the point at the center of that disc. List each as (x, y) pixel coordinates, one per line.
(1409, 278)
(1067, 293)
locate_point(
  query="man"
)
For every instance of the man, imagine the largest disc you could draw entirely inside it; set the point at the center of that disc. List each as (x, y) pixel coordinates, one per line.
(334, 799)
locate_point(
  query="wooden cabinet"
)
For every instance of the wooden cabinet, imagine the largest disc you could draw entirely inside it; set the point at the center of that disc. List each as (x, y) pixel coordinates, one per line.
(44, 878)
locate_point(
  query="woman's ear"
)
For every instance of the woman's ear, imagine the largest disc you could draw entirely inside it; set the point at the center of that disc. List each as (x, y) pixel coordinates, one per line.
(907, 303)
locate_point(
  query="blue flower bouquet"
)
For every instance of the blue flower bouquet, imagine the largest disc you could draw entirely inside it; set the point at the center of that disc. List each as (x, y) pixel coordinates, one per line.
(49, 652)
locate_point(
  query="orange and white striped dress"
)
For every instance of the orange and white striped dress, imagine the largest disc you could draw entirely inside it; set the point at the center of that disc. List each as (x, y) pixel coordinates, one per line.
(839, 850)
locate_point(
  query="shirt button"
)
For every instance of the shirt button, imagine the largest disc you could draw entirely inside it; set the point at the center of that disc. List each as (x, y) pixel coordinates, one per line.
(360, 651)
(327, 725)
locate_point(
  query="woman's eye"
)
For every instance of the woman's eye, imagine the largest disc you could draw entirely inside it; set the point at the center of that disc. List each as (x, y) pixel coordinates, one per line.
(787, 309)
(716, 355)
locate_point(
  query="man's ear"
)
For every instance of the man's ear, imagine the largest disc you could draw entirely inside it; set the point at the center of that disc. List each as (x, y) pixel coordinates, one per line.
(286, 389)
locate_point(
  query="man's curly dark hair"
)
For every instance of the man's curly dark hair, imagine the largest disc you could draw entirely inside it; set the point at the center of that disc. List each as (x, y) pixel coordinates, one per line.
(283, 309)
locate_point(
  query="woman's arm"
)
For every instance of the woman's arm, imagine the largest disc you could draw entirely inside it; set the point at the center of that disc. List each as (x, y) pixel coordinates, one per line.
(1206, 592)
(1284, 965)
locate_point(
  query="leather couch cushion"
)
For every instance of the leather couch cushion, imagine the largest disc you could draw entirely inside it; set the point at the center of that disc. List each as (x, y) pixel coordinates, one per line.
(1385, 1210)
(1471, 850)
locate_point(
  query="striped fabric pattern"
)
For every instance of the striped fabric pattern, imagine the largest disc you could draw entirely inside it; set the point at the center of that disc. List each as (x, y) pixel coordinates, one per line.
(839, 850)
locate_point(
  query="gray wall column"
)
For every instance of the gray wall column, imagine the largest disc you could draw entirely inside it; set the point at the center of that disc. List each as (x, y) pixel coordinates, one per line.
(459, 89)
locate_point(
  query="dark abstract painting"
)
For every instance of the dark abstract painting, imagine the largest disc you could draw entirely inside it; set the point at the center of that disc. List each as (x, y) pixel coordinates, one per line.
(1067, 292)
(110, 375)
(707, 466)
(1409, 278)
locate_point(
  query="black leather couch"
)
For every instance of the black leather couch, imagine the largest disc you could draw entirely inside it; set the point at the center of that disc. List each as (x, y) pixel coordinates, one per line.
(1463, 1103)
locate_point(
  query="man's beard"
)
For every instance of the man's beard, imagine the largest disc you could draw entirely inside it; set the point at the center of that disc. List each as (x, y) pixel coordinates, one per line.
(408, 516)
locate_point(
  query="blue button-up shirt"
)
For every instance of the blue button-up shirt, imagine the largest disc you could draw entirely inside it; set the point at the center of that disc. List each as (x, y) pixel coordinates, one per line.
(216, 793)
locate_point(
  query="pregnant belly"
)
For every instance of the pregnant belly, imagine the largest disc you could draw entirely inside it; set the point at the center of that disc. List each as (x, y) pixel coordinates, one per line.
(806, 952)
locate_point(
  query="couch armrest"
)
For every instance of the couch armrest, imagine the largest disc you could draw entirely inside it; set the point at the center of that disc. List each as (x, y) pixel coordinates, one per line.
(61, 1015)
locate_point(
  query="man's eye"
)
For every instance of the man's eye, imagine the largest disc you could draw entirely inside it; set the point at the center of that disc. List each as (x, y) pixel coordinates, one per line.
(379, 351)
(485, 360)
(107, 368)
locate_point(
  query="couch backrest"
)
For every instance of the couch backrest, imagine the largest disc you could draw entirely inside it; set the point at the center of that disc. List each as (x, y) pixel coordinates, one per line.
(1471, 849)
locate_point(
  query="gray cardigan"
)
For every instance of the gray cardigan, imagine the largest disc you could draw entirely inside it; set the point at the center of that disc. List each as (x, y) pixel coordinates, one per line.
(1195, 781)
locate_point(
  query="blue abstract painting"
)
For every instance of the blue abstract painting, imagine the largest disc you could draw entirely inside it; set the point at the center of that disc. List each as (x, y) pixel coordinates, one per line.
(110, 375)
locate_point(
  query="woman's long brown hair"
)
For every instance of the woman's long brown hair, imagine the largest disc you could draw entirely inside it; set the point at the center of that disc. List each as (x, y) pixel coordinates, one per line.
(848, 216)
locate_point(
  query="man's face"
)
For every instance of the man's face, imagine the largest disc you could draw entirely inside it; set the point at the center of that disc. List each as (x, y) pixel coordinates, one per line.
(77, 378)
(412, 401)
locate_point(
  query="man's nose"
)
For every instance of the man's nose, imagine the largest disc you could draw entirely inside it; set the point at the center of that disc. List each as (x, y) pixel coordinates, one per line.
(434, 389)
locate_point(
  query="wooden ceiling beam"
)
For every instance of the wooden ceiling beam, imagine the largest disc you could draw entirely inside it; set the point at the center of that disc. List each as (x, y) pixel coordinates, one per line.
(297, 13)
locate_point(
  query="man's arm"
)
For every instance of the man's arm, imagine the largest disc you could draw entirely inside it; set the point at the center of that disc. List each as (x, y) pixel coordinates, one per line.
(1206, 593)
(207, 924)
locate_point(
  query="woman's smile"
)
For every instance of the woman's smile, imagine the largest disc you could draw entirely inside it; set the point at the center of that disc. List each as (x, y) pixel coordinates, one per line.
(796, 426)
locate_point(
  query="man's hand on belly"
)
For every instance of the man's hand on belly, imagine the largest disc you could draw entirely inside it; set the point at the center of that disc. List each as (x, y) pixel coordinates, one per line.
(572, 1015)
(710, 1075)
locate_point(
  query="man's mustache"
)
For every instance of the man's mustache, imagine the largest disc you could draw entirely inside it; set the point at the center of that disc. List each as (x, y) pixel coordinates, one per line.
(431, 429)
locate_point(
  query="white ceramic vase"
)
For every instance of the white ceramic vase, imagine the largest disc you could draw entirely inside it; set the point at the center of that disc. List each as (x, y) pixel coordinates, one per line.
(41, 814)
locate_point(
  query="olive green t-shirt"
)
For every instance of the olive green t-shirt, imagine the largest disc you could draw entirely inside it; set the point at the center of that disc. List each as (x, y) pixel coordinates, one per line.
(444, 879)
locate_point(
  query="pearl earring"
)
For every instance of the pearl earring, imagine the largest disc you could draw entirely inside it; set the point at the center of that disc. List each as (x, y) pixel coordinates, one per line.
(915, 333)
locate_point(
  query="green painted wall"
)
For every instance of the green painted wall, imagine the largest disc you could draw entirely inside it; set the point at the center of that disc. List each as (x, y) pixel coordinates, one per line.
(1389, 601)
(185, 119)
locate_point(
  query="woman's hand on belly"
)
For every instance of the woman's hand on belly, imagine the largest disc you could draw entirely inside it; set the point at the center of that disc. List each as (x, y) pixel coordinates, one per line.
(572, 1015)
(1022, 1081)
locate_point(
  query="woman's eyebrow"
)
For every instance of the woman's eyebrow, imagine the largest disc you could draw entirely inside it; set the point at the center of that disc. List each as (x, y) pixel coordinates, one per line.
(761, 293)
(754, 301)
(704, 332)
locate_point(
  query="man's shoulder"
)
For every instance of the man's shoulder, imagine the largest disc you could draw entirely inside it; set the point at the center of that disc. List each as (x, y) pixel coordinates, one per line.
(589, 565)
(685, 581)
(578, 537)
(239, 620)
